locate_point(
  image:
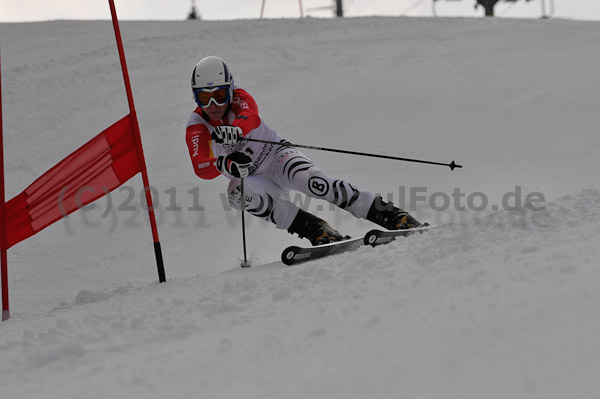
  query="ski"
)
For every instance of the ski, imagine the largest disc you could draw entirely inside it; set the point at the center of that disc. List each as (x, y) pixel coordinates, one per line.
(381, 237)
(294, 254)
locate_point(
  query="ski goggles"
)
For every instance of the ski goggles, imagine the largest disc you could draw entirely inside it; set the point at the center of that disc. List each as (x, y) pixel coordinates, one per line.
(217, 95)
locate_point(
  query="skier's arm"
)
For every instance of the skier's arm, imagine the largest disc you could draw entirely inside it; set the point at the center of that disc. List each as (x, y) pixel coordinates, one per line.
(246, 111)
(203, 161)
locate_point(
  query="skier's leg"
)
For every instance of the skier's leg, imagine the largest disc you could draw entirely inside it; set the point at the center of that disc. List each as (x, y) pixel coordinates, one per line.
(293, 170)
(265, 200)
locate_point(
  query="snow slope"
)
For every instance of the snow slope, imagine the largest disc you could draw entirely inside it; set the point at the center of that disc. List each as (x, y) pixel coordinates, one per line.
(501, 303)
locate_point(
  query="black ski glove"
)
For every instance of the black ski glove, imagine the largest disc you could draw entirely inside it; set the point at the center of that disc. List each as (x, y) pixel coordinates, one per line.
(237, 164)
(227, 134)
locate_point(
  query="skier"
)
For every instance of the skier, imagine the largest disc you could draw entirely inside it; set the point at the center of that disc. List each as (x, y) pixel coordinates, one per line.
(226, 114)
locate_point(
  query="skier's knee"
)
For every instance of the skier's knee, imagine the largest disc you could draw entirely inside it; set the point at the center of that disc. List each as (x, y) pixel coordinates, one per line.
(317, 183)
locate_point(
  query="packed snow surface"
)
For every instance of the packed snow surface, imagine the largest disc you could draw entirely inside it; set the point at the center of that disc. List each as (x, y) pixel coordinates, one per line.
(502, 302)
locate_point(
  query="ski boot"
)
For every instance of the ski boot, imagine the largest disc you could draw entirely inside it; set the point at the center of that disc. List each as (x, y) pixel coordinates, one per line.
(317, 230)
(390, 217)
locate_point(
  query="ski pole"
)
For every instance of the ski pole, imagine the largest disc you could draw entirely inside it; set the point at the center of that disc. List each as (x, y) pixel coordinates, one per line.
(245, 262)
(452, 165)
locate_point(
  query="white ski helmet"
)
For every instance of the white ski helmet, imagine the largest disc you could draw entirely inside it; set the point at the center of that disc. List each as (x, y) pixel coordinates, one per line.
(212, 72)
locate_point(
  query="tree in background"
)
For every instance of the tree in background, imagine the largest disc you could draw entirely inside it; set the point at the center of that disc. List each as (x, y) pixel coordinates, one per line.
(193, 14)
(489, 5)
